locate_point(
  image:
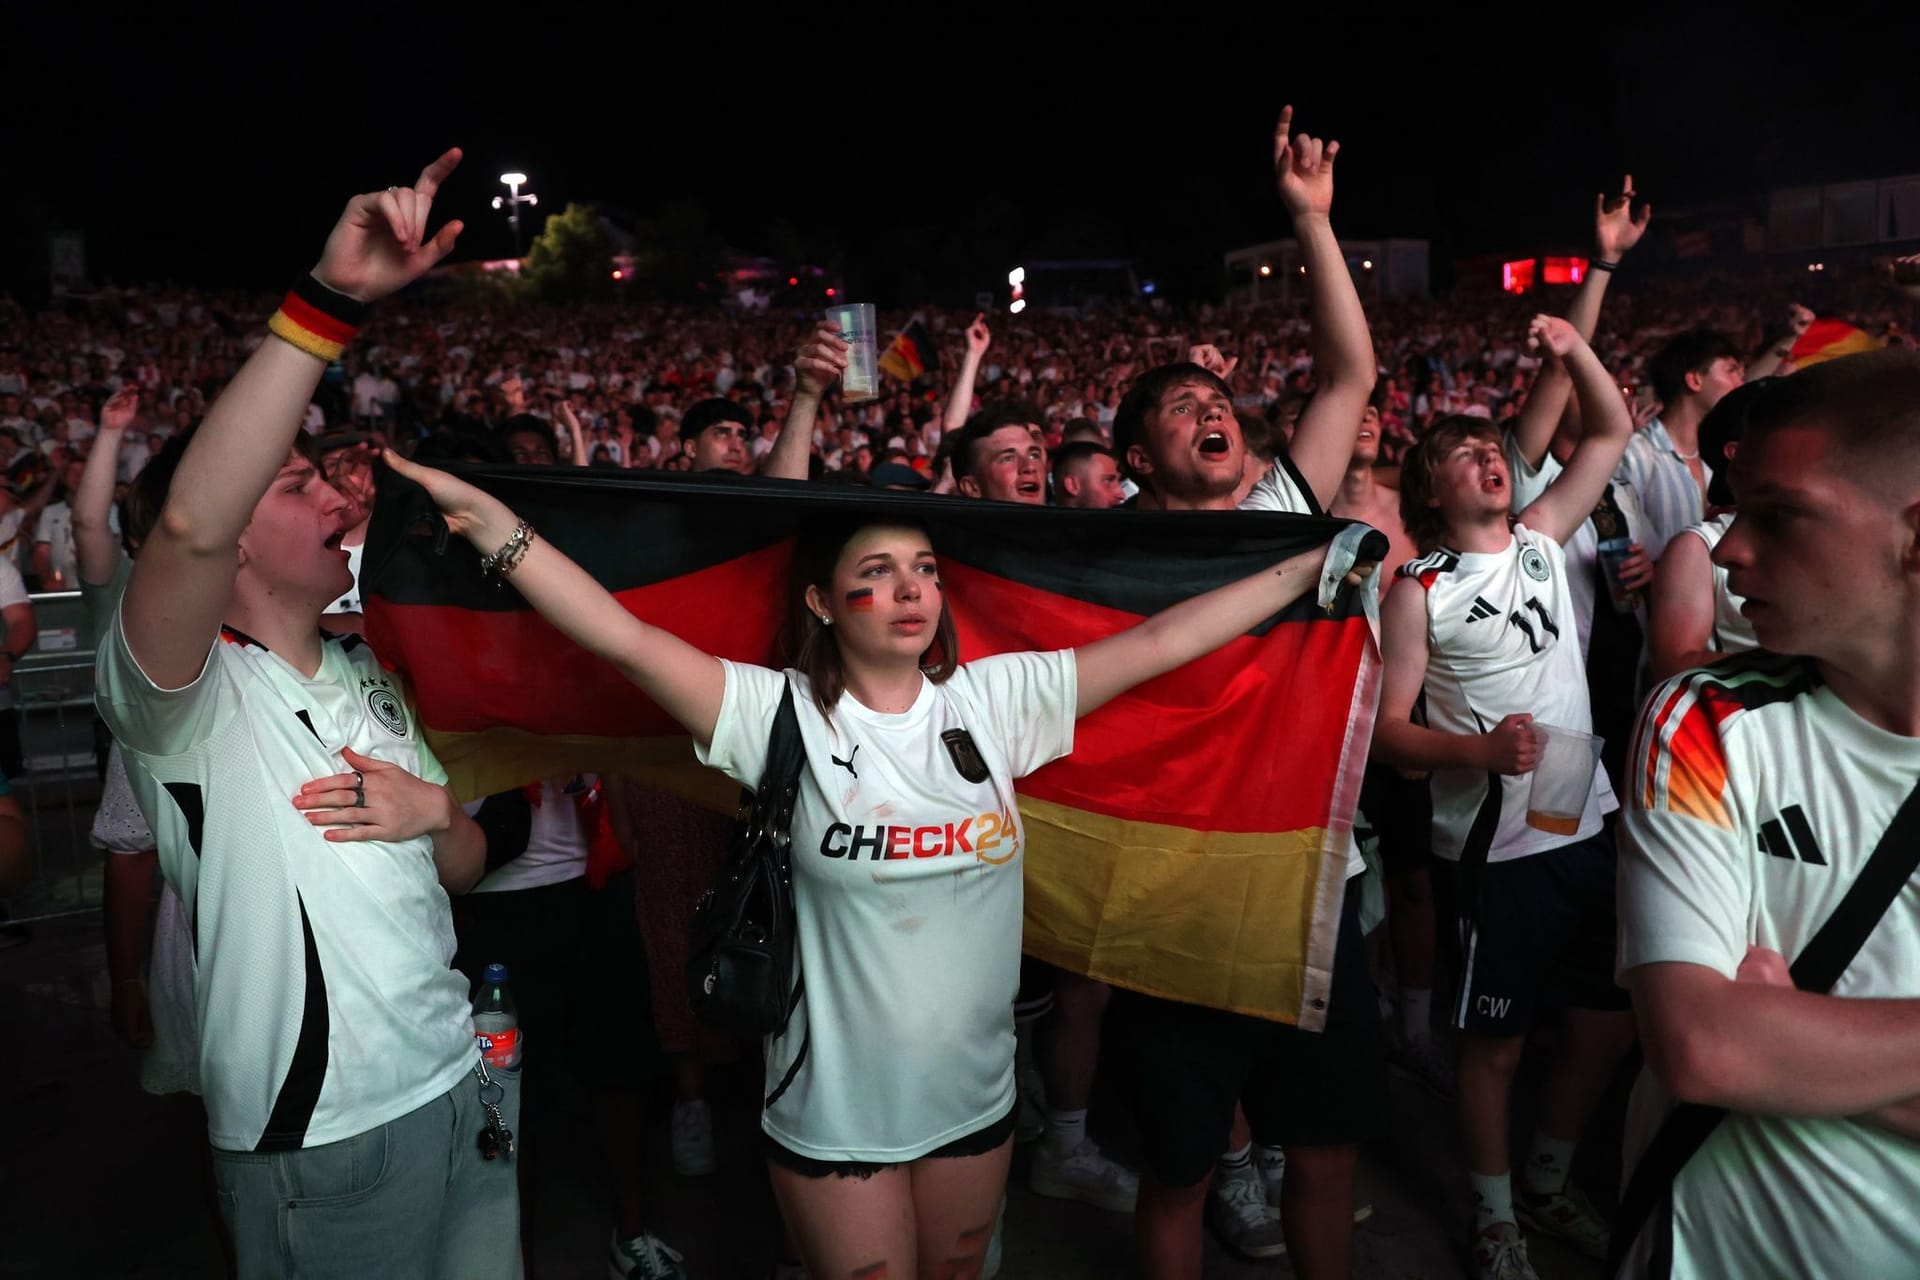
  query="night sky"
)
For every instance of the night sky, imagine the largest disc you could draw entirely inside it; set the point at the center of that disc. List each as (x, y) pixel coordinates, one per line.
(217, 149)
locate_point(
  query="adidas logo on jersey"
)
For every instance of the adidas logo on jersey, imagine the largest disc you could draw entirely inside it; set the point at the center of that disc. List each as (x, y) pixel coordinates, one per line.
(1789, 835)
(1481, 610)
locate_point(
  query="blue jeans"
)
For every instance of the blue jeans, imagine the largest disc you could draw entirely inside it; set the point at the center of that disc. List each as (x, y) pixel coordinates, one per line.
(411, 1199)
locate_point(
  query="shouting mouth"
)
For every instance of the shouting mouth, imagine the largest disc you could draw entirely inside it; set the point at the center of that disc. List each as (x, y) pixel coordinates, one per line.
(1215, 444)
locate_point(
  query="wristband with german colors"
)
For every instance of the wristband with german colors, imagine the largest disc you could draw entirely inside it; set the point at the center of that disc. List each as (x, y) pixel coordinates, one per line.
(317, 320)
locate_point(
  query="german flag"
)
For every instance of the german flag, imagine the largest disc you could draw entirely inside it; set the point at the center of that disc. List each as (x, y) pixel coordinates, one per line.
(1827, 339)
(1194, 843)
(911, 354)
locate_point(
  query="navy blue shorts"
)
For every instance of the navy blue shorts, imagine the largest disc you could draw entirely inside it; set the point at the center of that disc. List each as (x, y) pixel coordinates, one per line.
(1534, 935)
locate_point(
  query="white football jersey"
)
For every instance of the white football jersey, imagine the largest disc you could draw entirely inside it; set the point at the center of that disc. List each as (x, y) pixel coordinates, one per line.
(1757, 798)
(1500, 643)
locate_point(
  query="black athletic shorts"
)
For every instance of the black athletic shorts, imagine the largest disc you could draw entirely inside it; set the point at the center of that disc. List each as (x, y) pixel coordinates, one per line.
(577, 969)
(977, 1143)
(1532, 935)
(1399, 811)
(1184, 1067)
(1034, 999)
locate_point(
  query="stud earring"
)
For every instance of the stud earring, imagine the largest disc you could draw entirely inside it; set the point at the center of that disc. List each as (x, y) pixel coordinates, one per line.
(825, 621)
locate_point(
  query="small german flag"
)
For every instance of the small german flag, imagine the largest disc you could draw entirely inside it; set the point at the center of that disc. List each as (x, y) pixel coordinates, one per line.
(1194, 843)
(1827, 339)
(911, 354)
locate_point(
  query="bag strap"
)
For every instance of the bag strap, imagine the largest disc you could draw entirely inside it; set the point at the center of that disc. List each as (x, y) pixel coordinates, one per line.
(780, 783)
(1817, 967)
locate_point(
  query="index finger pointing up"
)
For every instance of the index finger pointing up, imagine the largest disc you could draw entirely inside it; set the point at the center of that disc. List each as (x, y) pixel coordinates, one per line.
(436, 173)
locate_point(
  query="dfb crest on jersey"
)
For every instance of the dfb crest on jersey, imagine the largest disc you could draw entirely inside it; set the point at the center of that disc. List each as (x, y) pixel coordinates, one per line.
(1534, 564)
(965, 755)
(387, 710)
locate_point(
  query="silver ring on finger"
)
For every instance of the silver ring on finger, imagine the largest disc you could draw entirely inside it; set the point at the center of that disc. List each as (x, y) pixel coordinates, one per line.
(359, 790)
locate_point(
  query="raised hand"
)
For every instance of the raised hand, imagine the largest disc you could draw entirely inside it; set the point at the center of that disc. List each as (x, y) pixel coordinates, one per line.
(979, 337)
(380, 244)
(374, 800)
(1512, 747)
(1208, 357)
(1615, 229)
(1303, 169)
(820, 362)
(472, 513)
(118, 413)
(1552, 334)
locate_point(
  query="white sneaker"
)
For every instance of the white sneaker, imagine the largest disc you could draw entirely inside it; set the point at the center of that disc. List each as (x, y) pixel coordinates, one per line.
(1083, 1174)
(1239, 1214)
(692, 1139)
(1566, 1215)
(645, 1257)
(1273, 1172)
(1500, 1253)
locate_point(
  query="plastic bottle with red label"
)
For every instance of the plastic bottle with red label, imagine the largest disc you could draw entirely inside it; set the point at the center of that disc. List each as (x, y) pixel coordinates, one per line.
(496, 1023)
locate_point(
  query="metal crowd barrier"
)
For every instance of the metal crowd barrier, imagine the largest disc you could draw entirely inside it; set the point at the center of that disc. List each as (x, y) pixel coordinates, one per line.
(53, 693)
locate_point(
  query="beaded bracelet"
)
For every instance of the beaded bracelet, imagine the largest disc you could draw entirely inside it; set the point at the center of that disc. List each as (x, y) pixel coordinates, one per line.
(317, 320)
(511, 552)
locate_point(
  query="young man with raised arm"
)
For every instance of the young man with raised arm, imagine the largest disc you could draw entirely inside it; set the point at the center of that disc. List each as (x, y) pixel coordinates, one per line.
(1313, 1097)
(306, 827)
(1481, 626)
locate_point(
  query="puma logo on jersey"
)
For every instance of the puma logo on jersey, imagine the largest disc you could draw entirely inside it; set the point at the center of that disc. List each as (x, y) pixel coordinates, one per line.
(847, 764)
(1482, 609)
(1788, 834)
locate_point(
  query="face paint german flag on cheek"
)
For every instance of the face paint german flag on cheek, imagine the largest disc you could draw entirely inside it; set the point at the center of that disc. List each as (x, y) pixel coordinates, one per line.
(860, 601)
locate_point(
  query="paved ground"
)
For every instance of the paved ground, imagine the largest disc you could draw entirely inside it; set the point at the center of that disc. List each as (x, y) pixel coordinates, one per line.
(98, 1179)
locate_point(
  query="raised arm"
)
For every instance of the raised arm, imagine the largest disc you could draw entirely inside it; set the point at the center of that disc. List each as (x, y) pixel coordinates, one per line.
(1569, 500)
(1510, 747)
(571, 421)
(93, 541)
(1344, 368)
(816, 368)
(1778, 353)
(184, 575)
(960, 403)
(686, 683)
(1615, 231)
(1196, 626)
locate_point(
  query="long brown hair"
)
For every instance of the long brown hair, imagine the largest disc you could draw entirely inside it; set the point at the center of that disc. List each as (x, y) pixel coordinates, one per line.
(813, 644)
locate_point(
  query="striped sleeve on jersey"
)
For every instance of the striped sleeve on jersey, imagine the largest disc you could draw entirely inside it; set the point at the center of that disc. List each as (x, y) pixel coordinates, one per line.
(1428, 568)
(1679, 758)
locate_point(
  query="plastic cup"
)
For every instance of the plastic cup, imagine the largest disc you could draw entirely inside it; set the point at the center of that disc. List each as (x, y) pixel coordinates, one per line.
(1613, 553)
(1562, 781)
(861, 382)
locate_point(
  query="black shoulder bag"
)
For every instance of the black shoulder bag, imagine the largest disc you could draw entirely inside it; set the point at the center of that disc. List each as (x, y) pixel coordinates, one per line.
(740, 967)
(1817, 967)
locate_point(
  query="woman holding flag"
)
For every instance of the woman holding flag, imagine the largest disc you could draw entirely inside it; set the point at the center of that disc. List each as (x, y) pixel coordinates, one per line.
(890, 1094)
